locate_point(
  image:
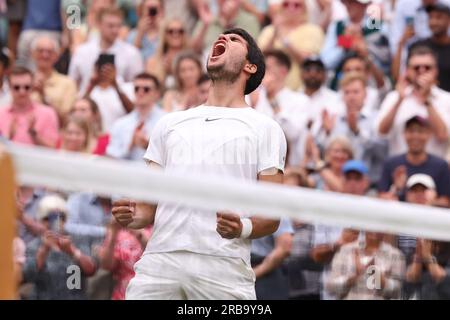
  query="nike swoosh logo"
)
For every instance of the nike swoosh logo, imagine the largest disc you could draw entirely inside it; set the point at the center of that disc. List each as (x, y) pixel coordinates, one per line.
(209, 120)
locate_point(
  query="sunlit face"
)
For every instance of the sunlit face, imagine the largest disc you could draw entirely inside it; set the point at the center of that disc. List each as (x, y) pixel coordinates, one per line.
(417, 194)
(21, 86)
(417, 137)
(419, 65)
(75, 139)
(175, 34)
(292, 9)
(227, 58)
(45, 54)
(189, 72)
(354, 95)
(146, 92)
(355, 183)
(337, 155)
(110, 26)
(82, 109)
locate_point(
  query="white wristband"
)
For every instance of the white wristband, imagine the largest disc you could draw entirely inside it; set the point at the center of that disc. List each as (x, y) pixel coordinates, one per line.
(247, 228)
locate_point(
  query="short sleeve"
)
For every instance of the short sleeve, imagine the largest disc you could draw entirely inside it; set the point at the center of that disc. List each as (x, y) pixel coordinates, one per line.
(156, 147)
(272, 147)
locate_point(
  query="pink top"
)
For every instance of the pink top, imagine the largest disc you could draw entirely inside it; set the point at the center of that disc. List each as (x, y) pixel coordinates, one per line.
(44, 118)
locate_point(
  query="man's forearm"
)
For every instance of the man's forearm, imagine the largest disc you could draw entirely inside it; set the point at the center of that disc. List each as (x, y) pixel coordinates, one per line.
(263, 227)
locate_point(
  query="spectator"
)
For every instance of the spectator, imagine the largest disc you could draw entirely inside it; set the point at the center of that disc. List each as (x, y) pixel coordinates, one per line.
(439, 42)
(416, 160)
(411, 17)
(428, 274)
(416, 94)
(187, 69)
(328, 240)
(276, 100)
(291, 33)
(268, 255)
(25, 121)
(121, 249)
(356, 125)
(356, 34)
(173, 40)
(328, 172)
(76, 135)
(230, 15)
(356, 262)
(28, 200)
(186, 10)
(324, 12)
(88, 110)
(43, 18)
(5, 95)
(49, 258)
(51, 87)
(130, 134)
(128, 61)
(112, 96)
(88, 216)
(15, 14)
(146, 36)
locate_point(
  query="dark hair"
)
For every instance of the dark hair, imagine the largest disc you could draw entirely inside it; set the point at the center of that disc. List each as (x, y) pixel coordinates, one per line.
(110, 11)
(203, 78)
(148, 76)
(20, 71)
(4, 57)
(353, 55)
(420, 50)
(281, 57)
(421, 121)
(254, 56)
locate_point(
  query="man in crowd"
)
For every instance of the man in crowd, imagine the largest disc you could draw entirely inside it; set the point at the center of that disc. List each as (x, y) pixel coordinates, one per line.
(130, 134)
(397, 169)
(128, 60)
(25, 121)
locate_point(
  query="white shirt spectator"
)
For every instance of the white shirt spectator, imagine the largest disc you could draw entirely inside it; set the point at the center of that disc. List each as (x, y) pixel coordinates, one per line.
(128, 62)
(109, 104)
(221, 142)
(5, 96)
(123, 130)
(409, 108)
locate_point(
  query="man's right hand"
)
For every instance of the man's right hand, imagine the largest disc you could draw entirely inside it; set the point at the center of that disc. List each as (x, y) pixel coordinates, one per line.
(124, 211)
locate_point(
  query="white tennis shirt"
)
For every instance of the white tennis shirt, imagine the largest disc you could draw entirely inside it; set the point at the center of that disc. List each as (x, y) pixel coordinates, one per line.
(217, 141)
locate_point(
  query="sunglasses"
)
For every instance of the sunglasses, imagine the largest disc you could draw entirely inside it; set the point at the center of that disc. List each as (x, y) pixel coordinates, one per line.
(426, 67)
(293, 5)
(144, 88)
(175, 31)
(18, 87)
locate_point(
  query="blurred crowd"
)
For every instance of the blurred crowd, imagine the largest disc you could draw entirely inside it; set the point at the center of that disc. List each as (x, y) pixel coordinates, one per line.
(361, 89)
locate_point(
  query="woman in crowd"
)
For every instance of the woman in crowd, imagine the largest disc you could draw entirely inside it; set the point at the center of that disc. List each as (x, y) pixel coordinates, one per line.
(75, 135)
(88, 110)
(291, 32)
(173, 40)
(187, 72)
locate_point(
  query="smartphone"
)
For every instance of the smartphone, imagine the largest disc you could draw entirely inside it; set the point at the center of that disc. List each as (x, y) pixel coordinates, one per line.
(54, 220)
(409, 21)
(152, 11)
(345, 41)
(105, 58)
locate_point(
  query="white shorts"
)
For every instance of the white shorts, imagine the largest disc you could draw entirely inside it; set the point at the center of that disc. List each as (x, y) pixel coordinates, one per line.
(184, 275)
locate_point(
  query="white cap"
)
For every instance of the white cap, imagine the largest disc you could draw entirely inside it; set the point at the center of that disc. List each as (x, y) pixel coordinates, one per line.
(420, 178)
(51, 203)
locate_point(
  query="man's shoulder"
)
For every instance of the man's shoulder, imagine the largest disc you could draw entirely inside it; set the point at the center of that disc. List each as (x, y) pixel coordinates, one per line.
(124, 46)
(396, 160)
(436, 161)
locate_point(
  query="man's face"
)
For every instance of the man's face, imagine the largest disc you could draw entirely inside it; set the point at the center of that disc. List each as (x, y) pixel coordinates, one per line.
(292, 9)
(354, 94)
(419, 65)
(227, 58)
(417, 194)
(313, 76)
(228, 8)
(439, 22)
(110, 27)
(21, 86)
(45, 55)
(82, 109)
(356, 10)
(354, 65)
(146, 92)
(355, 183)
(276, 73)
(153, 6)
(417, 137)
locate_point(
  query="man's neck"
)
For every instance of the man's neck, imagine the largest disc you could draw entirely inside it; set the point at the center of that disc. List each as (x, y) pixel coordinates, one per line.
(416, 158)
(311, 91)
(441, 39)
(22, 106)
(224, 94)
(271, 94)
(105, 45)
(144, 110)
(372, 246)
(46, 72)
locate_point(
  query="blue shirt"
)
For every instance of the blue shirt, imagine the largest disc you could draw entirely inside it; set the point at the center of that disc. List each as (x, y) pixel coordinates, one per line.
(148, 47)
(122, 134)
(263, 246)
(86, 218)
(43, 15)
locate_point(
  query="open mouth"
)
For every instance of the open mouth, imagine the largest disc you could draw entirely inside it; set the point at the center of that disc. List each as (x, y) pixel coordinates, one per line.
(218, 50)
